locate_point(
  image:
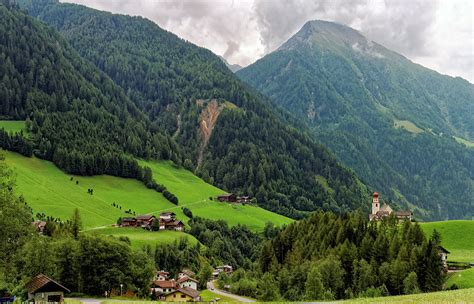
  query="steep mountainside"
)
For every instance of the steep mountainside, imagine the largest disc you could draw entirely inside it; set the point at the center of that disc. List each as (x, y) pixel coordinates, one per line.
(249, 151)
(391, 120)
(76, 115)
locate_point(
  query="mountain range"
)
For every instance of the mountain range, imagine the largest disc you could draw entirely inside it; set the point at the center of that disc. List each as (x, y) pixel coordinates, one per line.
(400, 126)
(194, 111)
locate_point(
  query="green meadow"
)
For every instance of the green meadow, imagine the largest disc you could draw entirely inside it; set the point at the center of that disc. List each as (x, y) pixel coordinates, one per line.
(138, 237)
(465, 142)
(49, 190)
(407, 125)
(195, 194)
(457, 238)
(13, 126)
(442, 297)
(463, 279)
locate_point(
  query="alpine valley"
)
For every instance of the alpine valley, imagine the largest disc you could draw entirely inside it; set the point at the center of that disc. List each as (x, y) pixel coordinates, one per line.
(136, 166)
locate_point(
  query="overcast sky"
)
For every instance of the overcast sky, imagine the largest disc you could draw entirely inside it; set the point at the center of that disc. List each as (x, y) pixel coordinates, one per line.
(438, 34)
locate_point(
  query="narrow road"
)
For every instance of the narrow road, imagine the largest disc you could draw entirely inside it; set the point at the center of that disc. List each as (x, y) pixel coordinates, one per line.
(210, 286)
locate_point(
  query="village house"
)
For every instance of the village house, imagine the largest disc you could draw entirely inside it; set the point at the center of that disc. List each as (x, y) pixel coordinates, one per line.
(168, 221)
(227, 269)
(230, 198)
(145, 221)
(128, 222)
(39, 226)
(186, 281)
(379, 212)
(162, 275)
(42, 289)
(185, 294)
(186, 272)
(243, 199)
(163, 287)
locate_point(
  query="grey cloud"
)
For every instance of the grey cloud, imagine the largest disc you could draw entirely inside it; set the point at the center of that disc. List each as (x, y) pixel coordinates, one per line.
(435, 33)
(400, 25)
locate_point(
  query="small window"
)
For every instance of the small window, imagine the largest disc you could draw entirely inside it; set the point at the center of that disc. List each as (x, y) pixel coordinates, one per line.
(174, 296)
(183, 296)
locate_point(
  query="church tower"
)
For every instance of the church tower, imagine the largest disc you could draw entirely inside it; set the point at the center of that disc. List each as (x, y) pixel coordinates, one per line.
(375, 203)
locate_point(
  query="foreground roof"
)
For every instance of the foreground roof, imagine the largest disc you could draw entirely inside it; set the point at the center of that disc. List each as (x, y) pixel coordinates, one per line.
(40, 281)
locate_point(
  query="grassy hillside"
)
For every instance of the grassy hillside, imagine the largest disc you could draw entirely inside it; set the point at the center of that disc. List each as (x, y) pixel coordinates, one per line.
(463, 279)
(457, 237)
(13, 126)
(48, 189)
(139, 238)
(194, 193)
(453, 296)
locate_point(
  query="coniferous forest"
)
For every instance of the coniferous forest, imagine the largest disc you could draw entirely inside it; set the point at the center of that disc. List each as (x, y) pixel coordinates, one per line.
(136, 113)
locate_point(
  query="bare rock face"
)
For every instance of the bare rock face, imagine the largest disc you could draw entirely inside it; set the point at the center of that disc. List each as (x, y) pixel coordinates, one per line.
(207, 122)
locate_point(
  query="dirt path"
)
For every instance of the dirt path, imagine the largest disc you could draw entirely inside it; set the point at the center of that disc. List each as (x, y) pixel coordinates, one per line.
(210, 286)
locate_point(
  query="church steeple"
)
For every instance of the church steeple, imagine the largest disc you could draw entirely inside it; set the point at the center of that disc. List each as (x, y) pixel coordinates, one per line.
(375, 203)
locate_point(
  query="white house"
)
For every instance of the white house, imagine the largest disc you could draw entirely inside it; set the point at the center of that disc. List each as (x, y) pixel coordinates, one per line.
(186, 281)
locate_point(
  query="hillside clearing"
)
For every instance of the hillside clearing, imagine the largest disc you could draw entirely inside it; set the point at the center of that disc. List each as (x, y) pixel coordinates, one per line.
(13, 126)
(463, 279)
(195, 194)
(140, 237)
(49, 190)
(457, 237)
(407, 125)
(465, 142)
(452, 296)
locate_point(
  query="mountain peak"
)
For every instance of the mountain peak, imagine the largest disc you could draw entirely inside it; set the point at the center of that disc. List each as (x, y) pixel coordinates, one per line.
(321, 32)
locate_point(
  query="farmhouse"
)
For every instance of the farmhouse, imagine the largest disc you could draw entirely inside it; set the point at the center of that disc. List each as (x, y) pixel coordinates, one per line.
(163, 286)
(145, 221)
(379, 212)
(183, 295)
(42, 289)
(186, 272)
(227, 269)
(243, 199)
(189, 282)
(162, 275)
(168, 221)
(128, 222)
(231, 198)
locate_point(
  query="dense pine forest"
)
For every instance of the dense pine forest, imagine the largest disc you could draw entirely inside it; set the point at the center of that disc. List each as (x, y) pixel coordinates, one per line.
(250, 150)
(76, 116)
(389, 119)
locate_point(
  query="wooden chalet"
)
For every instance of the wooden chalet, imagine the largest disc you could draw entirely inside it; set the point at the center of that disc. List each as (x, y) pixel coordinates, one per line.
(243, 199)
(167, 216)
(145, 221)
(42, 289)
(128, 222)
(230, 198)
(168, 221)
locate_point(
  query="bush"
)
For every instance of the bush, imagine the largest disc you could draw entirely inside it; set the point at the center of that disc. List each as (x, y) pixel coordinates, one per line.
(188, 212)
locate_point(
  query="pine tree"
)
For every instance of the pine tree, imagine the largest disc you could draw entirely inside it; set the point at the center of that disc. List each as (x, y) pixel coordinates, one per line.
(76, 225)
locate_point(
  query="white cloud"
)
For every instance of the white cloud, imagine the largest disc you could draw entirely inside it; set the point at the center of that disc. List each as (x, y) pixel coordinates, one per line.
(435, 33)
